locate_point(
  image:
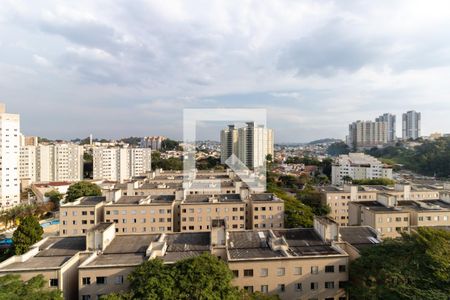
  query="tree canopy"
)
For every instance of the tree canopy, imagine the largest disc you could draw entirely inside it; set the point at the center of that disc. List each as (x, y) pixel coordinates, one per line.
(171, 163)
(338, 148)
(55, 197)
(28, 233)
(82, 188)
(416, 266)
(13, 288)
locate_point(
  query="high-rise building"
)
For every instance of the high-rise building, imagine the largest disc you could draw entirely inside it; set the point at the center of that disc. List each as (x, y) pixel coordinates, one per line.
(28, 140)
(59, 162)
(120, 164)
(390, 119)
(411, 125)
(251, 144)
(228, 141)
(9, 158)
(367, 134)
(154, 142)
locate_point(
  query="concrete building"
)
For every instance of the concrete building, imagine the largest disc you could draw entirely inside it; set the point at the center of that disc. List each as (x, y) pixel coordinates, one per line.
(120, 164)
(79, 216)
(358, 166)
(411, 125)
(27, 166)
(251, 144)
(28, 140)
(391, 127)
(9, 158)
(59, 162)
(367, 134)
(391, 216)
(153, 142)
(338, 198)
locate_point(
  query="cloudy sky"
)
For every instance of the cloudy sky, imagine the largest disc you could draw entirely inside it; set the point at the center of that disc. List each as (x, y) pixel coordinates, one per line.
(121, 68)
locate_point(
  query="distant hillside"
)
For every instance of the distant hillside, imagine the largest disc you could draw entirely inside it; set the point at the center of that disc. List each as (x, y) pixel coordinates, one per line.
(324, 141)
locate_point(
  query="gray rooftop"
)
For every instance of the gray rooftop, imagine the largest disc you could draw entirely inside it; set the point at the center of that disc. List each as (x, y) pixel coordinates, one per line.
(136, 243)
(91, 200)
(264, 197)
(62, 246)
(359, 236)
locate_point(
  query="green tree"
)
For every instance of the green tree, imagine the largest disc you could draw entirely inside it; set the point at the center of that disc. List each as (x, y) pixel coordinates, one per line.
(168, 145)
(54, 197)
(416, 266)
(13, 288)
(338, 148)
(375, 181)
(28, 233)
(312, 198)
(82, 188)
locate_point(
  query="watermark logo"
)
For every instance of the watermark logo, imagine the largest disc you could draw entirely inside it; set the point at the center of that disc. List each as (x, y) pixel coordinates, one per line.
(246, 147)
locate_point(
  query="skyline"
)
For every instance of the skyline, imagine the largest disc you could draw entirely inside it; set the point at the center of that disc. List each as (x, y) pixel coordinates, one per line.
(118, 69)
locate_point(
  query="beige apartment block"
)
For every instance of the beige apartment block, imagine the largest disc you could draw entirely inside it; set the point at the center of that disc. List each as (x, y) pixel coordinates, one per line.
(56, 258)
(390, 217)
(197, 212)
(266, 211)
(78, 216)
(138, 214)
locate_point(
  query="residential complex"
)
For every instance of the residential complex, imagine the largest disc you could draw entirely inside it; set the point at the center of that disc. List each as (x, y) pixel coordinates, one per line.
(411, 125)
(154, 142)
(391, 123)
(121, 163)
(358, 166)
(368, 134)
(391, 216)
(339, 198)
(304, 263)
(251, 144)
(159, 203)
(9, 158)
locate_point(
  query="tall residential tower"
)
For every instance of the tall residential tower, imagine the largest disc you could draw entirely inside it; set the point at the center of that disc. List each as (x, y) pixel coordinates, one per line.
(9, 158)
(411, 125)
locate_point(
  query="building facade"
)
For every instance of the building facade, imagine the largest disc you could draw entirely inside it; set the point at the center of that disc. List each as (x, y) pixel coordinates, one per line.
(153, 142)
(391, 125)
(411, 125)
(59, 162)
(367, 134)
(9, 158)
(120, 164)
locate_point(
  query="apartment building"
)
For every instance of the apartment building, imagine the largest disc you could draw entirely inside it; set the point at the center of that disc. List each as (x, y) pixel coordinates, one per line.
(27, 166)
(9, 158)
(120, 164)
(368, 134)
(137, 214)
(59, 162)
(391, 216)
(79, 216)
(265, 211)
(391, 126)
(411, 125)
(197, 212)
(55, 258)
(338, 198)
(154, 142)
(251, 144)
(358, 166)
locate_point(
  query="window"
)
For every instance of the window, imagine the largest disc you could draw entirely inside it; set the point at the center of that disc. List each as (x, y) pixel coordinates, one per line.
(329, 284)
(314, 270)
(342, 268)
(314, 286)
(54, 282)
(264, 289)
(264, 272)
(329, 269)
(84, 213)
(298, 271)
(101, 280)
(119, 279)
(298, 287)
(248, 288)
(281, 271)
(86, 297)
(248, 273)
(235, 273)
(281, 288)
(86, 280)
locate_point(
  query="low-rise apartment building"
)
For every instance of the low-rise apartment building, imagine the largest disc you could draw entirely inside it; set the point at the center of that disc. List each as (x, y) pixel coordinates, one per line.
(390, 216)
(358, 166)
(265, 211)
(79, 216)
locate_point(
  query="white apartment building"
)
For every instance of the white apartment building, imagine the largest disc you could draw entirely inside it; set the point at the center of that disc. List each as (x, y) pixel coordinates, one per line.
(358, 166)
(391, 124)
(120, 164)
(154, 142)
(251, 144)
(59, 162)
(411, 125)
(9, 158)
(27, 165)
